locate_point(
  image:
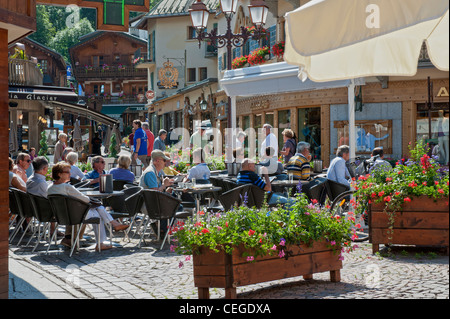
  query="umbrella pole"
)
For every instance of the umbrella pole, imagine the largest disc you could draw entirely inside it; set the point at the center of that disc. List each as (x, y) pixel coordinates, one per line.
(351, 119)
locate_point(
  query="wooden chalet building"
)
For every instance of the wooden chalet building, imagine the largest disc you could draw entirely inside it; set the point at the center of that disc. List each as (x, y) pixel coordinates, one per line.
(105, 64)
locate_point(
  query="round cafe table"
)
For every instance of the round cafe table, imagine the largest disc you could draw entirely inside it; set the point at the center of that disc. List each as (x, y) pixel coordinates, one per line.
(286, 186)
(99, 195)
(197, 192)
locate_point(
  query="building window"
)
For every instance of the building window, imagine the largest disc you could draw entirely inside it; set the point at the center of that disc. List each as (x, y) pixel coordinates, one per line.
(97, 61)
(44, 66)
(202, 74)
(192, 33)
(95, 89)
(435, 121)
(191, 75)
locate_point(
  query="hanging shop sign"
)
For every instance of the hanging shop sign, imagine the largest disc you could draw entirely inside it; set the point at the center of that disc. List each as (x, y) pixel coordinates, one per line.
(168, 75)
(37, 94)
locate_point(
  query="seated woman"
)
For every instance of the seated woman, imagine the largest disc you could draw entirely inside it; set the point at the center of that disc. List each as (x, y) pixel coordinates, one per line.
(122, 172)
(75, 171)
(14, 180)
(61, 175)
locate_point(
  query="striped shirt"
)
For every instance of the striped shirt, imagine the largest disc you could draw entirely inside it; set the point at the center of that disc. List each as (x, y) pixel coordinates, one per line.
(299, 166)
(249, 177)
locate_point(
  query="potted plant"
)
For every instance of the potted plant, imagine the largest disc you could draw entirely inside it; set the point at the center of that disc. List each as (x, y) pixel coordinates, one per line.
(246, 245)
(278, 50)
(409, 204)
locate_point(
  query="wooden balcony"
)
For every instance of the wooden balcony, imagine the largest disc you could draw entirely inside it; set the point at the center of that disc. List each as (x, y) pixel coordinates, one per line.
(112, 72)
(24, 72)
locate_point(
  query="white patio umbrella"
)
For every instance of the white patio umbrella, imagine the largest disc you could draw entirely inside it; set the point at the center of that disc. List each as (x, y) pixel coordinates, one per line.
(107, 138)
(348, 39)
(77, 139)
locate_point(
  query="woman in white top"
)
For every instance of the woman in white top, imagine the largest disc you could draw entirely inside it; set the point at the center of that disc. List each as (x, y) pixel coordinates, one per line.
(14, 180)
(75, 171)
(61, 175)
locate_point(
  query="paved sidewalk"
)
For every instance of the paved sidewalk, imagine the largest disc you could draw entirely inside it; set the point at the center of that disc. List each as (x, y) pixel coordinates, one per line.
(133, 273)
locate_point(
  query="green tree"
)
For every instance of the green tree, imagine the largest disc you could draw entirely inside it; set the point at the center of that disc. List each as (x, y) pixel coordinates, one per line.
(44, 147)
(68, 37)
(112, 146)
(45, 30)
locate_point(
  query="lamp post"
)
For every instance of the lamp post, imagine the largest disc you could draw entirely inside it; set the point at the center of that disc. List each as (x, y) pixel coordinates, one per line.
(199, 16)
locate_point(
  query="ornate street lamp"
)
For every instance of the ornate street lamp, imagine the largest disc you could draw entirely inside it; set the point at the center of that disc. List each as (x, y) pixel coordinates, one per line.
(199, 15)
(203, 105)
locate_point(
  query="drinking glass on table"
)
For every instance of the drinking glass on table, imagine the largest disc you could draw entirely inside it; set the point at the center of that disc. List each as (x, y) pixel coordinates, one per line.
(291, 177)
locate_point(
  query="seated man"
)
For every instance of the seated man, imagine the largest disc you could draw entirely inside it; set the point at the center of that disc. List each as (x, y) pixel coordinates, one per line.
(380, 163)
(201, 170)
(168, 169)
(247, 175)
(274, 167)
(153, 177)
(299, 165)
(98, 168)
(338, 171)
(37, 184)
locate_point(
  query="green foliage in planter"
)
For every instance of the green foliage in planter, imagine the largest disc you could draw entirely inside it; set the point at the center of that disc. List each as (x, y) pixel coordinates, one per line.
(417, 176)
(112, 146)
(44, 147)
(264, 231)
(85, 167)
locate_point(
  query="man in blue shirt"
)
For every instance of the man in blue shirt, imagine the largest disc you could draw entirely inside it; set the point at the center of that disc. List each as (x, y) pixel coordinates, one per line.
(98, 168)
(247, 175)
(140, 143)
(338, 171)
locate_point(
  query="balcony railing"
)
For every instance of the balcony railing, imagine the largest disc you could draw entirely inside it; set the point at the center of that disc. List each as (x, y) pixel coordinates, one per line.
(24, 72)
(108, 99)
(115, 72)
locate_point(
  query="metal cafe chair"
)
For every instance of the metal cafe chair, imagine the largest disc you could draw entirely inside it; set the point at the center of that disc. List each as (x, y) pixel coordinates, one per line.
(44, 214)
(26, 211)
(70, 211)
(252, 194)
(159, 206)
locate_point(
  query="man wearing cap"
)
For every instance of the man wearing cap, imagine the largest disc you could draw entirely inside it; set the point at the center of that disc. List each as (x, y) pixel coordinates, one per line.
(153, 176)
(198, 139)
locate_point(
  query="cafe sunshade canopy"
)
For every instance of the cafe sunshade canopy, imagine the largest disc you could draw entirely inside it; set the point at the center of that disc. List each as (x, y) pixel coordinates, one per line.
(346, 39)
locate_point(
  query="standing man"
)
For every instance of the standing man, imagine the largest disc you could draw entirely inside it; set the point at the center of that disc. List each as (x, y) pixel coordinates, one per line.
(140, 143)
(150, 141)
(269, 141)
(159, 143)
(198, 139)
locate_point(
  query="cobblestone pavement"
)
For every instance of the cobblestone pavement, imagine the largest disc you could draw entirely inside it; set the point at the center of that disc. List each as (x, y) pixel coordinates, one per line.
(129, 272)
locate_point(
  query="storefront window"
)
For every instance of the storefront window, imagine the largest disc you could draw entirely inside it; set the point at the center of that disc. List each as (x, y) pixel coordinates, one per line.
(432, 127)
(284, 122)
(309, 129)
(369, 135)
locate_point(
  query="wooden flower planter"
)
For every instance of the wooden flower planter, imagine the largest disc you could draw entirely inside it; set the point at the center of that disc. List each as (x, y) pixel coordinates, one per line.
(220, 270)
(422, 222)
